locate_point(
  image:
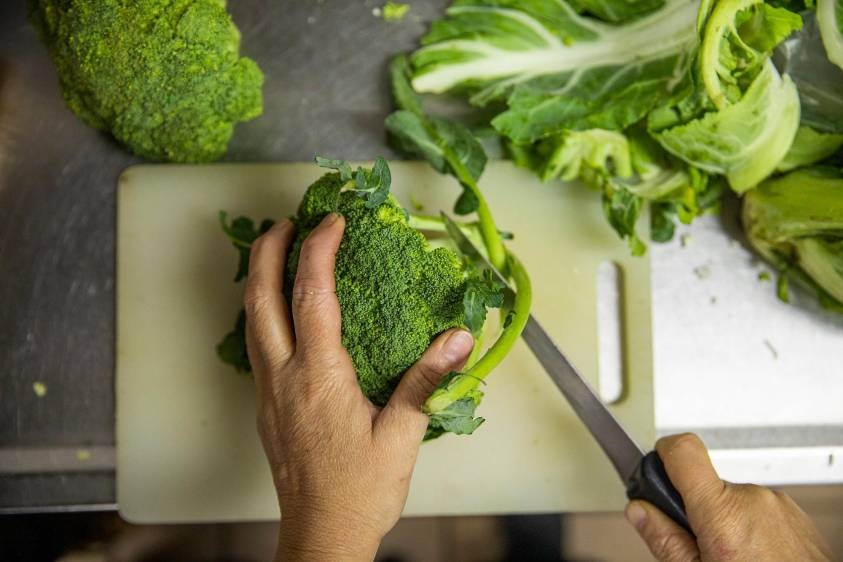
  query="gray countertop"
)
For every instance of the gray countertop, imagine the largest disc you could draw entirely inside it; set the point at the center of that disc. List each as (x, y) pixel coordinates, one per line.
(326, 92)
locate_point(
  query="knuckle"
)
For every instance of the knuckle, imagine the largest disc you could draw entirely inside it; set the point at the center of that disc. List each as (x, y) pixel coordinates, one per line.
(669, 547)
(762, 495)
(255, 300)
(311, 289)
(684, 442)
(313, 242)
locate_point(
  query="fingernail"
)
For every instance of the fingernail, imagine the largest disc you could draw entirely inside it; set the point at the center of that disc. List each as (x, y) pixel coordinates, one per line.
(636, 515)
(282, 225)
(458, 346)
(330, 219)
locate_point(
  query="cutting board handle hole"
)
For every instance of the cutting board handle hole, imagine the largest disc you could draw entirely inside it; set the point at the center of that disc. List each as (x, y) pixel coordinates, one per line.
(610, 360)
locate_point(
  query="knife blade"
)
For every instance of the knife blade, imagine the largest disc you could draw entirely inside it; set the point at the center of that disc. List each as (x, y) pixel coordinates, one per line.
(643, 474)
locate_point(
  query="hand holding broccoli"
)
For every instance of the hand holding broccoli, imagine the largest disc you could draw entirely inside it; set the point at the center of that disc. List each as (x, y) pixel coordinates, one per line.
(341, 465)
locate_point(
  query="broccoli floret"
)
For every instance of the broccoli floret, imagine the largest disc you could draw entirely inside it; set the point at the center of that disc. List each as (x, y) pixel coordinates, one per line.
(396, 293)
(163, 76)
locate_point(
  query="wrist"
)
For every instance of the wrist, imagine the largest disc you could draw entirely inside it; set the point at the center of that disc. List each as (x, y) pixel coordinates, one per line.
(319, 536)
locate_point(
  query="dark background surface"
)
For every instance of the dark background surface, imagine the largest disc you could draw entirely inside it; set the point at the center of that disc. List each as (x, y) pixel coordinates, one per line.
(325, 91)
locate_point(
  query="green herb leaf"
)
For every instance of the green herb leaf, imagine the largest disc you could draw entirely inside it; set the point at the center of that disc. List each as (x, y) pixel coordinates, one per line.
(242, 233)
(467, 203)
(373, 185)
(409, 135)
(457, 418)
(662, 225)
(425, 138)
(340, 165)
(232, 348)
(482, 291)
(622, 209)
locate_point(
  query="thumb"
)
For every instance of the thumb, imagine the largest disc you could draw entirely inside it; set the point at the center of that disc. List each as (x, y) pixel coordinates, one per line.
(447, 353)
(666, 540)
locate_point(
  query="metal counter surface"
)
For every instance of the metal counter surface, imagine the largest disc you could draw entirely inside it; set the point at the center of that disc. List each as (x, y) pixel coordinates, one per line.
(325, 92)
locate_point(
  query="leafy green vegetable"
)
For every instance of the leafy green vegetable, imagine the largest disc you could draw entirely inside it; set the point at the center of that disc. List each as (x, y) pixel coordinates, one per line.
(647, 101)
(457, 418)
(810, 147)
(554, 68)
(482, 291)
(796, 222)
(737, 39)
(165, 78)
(746, 140)
(232, 348)
(830, 18)
(242, 232)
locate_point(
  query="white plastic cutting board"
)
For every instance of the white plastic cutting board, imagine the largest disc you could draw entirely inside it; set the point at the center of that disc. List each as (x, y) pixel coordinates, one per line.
(187, 446)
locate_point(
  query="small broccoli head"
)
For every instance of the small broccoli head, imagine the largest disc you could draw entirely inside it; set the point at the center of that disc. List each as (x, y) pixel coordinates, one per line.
(165, 78)
(396, 293)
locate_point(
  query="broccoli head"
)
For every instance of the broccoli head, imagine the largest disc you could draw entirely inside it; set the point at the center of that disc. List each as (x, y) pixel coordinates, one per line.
(163, 76)
(396, 293)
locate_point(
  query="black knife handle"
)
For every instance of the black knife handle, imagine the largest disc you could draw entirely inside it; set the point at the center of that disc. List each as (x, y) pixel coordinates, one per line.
(650, 483)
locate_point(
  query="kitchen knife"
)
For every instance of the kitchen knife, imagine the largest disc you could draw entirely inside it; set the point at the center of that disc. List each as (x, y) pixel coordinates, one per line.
(643, 474)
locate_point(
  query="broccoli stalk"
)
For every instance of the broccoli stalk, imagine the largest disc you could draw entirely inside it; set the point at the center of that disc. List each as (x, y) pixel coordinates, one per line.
(451, 148)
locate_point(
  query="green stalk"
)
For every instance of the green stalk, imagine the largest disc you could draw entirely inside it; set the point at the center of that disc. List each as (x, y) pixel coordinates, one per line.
(478, 349)
(488, 230)
(464, 383)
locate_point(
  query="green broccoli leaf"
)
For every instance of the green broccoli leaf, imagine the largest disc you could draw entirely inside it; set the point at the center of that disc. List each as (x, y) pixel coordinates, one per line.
(482, 291)
(371, 185)
(339, 165)
(457, 418)
(242, 233)
(427, 137)
(232, 348)
(466, 203)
